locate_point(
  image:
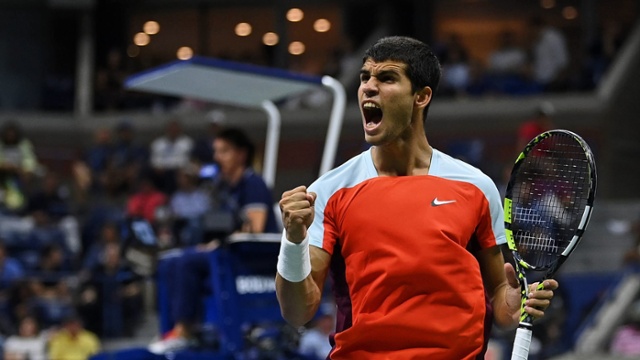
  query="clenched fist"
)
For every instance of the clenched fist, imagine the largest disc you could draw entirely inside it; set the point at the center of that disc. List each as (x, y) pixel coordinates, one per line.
(297, 212)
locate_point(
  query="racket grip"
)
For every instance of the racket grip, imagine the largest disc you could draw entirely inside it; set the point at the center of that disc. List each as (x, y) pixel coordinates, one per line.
(521, 344)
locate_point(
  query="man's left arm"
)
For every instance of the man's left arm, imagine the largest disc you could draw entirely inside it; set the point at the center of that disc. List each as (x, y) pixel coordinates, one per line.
(502, 285)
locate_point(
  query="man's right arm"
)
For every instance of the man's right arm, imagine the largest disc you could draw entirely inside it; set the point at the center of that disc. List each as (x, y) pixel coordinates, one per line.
(302, 269)
(299, 301)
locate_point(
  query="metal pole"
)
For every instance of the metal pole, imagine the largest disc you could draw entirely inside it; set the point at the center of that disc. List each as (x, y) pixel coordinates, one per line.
(335, 123)
(271, 144)
(85, 68)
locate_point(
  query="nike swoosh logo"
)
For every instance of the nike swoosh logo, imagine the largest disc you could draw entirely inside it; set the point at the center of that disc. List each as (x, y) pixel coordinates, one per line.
(437, 202)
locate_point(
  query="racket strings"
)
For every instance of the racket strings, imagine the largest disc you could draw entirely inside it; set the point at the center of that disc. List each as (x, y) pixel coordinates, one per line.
(550, 194)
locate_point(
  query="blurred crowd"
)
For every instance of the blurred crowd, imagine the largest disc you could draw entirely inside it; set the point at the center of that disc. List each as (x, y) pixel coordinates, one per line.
(66, 237)
(538, 60)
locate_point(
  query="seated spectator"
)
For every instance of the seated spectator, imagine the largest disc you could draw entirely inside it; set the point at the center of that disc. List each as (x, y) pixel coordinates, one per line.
(601, 52)
(98, 157)
(11, 270)
(53, 262)
(28, 344)
(106, 208)
(245, 195)
(111, 297)
(52, 297)
(146, 200)
(541, 121)
(550, 55)
(188, 206)
(18, 165)
(109, 234)
(129, 159)
(626, 339)
(110, 76)
(73, 341)
(456, 73)
(169, 153)
(314, 341)
(52, 198)
(508, 58)
(45, 233)
(507, 68)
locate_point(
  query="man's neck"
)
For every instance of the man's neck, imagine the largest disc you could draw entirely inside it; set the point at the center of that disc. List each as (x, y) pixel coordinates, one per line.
(408, 158)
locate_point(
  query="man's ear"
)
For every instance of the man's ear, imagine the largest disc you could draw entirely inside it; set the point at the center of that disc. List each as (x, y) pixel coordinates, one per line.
(423, 97)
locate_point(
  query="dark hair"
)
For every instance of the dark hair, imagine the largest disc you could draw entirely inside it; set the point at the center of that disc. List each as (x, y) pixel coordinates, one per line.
(423, 67)
(240, 140)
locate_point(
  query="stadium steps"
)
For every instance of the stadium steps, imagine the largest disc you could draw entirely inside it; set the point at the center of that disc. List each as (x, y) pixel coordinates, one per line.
(607, 238)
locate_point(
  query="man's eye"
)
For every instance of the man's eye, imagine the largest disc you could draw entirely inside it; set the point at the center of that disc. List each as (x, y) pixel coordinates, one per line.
(364, 78)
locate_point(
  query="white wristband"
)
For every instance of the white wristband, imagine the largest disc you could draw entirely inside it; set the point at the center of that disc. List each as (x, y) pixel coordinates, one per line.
(294, 262)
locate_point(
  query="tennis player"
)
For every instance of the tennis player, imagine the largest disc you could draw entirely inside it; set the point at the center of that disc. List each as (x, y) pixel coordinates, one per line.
(409, 236)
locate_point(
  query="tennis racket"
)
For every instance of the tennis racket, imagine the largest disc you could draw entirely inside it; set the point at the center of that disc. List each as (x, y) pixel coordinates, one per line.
(547, 206)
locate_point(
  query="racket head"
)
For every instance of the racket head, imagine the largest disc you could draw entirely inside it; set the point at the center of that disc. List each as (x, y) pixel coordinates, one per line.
(549, 199)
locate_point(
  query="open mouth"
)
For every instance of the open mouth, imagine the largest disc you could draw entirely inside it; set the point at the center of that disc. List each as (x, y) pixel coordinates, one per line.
(372, 113)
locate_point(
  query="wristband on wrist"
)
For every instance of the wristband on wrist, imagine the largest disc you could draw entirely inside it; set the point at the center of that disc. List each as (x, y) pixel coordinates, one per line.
(294, 262)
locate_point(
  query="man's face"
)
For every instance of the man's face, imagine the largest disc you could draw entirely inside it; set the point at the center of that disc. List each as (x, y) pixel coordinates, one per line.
(386, 100)
(227, 156)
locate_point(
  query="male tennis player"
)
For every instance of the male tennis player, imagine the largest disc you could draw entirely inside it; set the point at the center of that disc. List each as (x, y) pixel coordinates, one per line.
(409, 235)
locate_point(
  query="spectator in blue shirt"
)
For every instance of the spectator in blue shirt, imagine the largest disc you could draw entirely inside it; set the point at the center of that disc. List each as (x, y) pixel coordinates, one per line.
(11, 270)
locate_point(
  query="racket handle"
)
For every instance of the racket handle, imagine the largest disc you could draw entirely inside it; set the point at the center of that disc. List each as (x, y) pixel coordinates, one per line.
(521, 344)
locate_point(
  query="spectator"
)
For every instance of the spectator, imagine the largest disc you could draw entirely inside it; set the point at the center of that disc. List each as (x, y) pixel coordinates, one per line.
(129, 158)
(507, 65)
(109, 234)
(146, 200)
(626, 339)
(244, 194)
(18, 165)
(28, 344)
(53, 263)
(11, 270)
(189, 204)
(541, 121)
(456, 70)
(109, 82)
(51, 296)
(53, 199)
(73, 341)
(602, 51)
(202, 150)
(169, 153)
(98, 158)
(550, 54)
(509, 57)
(314, 342)
(111, 298)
